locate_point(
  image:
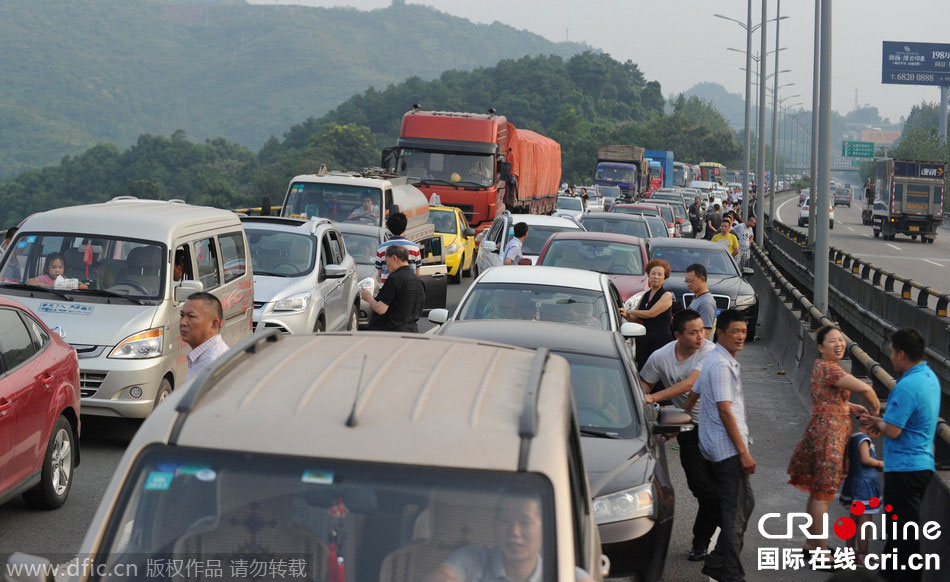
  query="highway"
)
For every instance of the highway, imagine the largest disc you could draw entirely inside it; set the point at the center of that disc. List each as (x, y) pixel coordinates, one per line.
(928, 264)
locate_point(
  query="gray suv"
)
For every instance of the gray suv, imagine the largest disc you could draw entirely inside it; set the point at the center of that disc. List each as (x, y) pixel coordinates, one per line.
(304, 280)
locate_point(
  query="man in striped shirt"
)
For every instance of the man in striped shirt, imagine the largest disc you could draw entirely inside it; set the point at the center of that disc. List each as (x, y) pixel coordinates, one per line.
(396, 223)
(200, 328)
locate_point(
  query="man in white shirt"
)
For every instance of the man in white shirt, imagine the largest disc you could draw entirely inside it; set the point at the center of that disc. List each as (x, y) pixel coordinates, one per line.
(675, 367)
(744, 231)
(513, 248)
(200, 328)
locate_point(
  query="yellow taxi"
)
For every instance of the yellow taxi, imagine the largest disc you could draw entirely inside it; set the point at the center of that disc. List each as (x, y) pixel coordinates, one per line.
(458, 240)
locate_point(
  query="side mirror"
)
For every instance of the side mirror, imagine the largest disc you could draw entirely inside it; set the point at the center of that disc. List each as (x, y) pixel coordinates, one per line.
(747, 271)
(187, 287)
(468, 232)
(388, 160)
(672, 420)
(489, 246)
(504, 170)
(335, 271)
(628, 329)
(439, 316)
(524, 261)
(22, 567)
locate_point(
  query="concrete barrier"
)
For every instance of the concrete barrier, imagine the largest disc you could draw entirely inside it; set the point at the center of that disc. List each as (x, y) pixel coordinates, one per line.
(935, 506)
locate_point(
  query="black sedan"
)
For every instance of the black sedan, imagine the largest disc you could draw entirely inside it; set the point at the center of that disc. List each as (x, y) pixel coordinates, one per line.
(623, 452)
(726, 282)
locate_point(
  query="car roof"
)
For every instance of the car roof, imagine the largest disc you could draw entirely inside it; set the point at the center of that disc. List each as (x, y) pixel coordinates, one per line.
(352, 227)
(614, 216)
(130, 217)
(286, 224)
(600, 236)
(559, 337)
(543, 220)
(542, 275)
(684, 243)
(373, 396)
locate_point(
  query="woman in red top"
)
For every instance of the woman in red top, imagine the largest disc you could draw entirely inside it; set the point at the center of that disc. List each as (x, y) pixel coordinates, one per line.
(819, 463)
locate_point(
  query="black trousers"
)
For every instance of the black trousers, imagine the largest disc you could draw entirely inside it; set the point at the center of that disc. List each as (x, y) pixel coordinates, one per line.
(701, 479)
(736, 503)
(903, 490)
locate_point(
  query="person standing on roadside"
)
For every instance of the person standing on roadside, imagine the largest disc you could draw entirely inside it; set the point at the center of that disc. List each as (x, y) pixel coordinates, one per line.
(703, 302)
(676, 366)
(724, 441)
(713, 222)
(199, 326)
(744, 231)
(726, 238)
(909, 426)
(396, 223)
(513, 249)
(695, 211)
(398, 305)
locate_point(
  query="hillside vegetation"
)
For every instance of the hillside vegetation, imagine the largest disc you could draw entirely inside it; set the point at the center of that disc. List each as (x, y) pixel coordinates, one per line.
(78, 72)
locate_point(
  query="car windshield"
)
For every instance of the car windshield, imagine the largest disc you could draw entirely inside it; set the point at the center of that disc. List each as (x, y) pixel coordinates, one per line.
(536, 302)
(632, 210)
(229, 515)
(657, 227)
(623, 175)
(617, 226)
(86, 264)
(537, 236)
(609, 191)
(569, 203)
(602, 393)
(667, 213)
(443, 168)
(278, 253)
(339, 202)
(611, 258)
(444, 221)
(362, 247)
(716, 260)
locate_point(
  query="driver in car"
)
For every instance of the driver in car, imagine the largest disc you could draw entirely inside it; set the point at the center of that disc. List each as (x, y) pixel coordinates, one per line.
(367, 211)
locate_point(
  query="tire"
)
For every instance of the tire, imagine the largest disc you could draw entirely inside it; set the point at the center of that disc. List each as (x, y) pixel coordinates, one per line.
(801, 222)
(468, 272)
(354, 322)
(876, 233)
(831, 225)
(320, 326)
(164, 389)
(913, 237)
(56, 478)
(457, 277)
(474, 268)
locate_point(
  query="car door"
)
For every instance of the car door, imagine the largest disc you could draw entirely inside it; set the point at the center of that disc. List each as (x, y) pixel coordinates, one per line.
(26, 385)
(7, 430)
(338, 299)
(496, 234)
(433, 272)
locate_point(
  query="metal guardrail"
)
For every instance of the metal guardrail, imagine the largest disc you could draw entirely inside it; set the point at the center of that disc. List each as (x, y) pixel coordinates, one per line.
(879, 277)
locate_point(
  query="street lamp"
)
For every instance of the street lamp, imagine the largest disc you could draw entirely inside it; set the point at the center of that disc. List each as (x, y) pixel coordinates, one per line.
(778, 12)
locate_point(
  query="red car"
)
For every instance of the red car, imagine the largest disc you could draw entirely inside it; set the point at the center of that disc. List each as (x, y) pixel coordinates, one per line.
(619, 256)
(39, 409)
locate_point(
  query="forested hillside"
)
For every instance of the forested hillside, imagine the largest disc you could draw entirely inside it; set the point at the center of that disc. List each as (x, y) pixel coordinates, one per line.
(74, 73)
(583, 102)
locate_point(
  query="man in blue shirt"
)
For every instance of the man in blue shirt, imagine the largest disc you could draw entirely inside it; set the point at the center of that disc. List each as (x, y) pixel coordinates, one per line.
(909, 426)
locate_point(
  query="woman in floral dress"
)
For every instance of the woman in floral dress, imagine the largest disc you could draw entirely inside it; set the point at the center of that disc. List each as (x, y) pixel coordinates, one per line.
(819, 463)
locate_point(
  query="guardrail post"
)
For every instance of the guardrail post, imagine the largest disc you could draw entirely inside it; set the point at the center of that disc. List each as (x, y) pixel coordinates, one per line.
(888, 282)
(905, 290)
(922, 296)
(942, 303)
(866, 271)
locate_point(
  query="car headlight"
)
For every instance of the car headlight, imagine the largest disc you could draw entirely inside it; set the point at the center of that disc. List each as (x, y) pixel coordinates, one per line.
(145, 344)
(686, 227)
(631, 304)
(624, 505)
(745, 301)
(369, 283)
(452, 249)
(297, 302)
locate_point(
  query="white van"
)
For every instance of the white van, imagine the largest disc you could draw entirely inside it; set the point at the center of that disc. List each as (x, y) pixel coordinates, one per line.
(116, 298)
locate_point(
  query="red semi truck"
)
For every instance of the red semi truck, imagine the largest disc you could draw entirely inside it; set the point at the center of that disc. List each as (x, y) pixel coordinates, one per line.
(480, 163)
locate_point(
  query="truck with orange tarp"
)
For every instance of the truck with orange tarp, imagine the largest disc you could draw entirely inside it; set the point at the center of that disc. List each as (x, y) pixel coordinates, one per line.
(480, 163)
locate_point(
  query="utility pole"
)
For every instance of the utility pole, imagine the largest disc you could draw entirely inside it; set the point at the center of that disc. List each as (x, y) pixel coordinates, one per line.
(943, 114)
(774, 165)
(814, 125)
(760, 151)
(746, 193)
(820, 194)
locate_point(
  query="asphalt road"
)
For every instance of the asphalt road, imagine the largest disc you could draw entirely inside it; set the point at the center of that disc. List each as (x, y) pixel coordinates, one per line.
(928, 264)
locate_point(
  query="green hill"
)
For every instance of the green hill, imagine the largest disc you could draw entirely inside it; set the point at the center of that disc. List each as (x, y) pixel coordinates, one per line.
(74, 73)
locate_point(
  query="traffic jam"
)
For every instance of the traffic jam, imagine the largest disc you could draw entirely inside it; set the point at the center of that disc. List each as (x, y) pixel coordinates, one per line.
(313, 391)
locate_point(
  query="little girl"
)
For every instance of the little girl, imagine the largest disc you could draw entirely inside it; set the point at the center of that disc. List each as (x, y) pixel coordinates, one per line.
(862, 484)
(55, 266)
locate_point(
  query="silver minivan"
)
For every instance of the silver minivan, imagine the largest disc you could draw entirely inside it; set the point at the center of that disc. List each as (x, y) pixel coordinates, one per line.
(104, 277)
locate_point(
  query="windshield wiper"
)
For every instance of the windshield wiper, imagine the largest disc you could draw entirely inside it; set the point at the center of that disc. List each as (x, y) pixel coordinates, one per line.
(599, 432)
(113, 294)
(436, 181)
(39, 288)
(268, 274)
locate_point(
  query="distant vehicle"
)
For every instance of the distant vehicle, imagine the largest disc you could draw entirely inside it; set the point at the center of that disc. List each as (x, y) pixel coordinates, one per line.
(665, 159)
(304, 279)
(843, 197)
(480, 163)
(683, 174)
(595, 201)
(713, 172)
(610, 194)
(910, 198)
(618, 256)
(680, 215)
(39, 410)
(458, 240)
(624, 166)
(571, 206)
(491, 251)
(619, 223)
(803, 214)
(662, 211)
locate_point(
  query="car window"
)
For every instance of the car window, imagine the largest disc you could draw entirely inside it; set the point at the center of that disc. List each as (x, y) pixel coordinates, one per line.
(443, 220)
(538, 235)
(498, 231)
(569, 203)
(611, 258)
(335, 247)
(362, 247)
(617, 226)
(716, 260)
(206, 254)
(536, 302)
(657, 227)
(602, 393)
(39, 335)
(16, 344)
(277, 253)
(233, 255)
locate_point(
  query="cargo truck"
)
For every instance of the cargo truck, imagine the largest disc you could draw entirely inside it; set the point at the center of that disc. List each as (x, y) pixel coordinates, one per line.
(665, 159)
(624, 166)
(480, 163)
(909, 198)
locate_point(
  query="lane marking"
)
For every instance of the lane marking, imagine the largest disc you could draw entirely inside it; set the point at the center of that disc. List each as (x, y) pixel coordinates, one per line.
(851, 229)
(867, 235)
(932, 262)
(893, 246)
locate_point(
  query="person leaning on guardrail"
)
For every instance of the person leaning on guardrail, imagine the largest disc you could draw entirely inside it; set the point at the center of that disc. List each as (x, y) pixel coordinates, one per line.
(909, 427)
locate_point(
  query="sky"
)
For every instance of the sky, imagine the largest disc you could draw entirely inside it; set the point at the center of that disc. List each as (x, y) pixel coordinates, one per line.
(680, 43)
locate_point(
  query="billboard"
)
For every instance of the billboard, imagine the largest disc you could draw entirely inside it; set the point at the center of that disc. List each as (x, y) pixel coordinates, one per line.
(880, 137)
(916, 63)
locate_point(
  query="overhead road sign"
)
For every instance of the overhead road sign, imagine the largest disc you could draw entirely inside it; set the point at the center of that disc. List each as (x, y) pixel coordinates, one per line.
(857, 149)
(916, 63)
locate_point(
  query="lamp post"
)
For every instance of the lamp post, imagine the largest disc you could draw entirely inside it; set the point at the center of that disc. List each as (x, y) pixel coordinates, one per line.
(819, 194)
(778, 12)
(813, 170)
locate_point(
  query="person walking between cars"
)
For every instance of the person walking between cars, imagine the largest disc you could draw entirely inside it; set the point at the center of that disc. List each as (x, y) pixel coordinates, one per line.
(199, 325)
(654, 311)
(744, 231)
(724, 441)
(726, 238)
(713, 222)
(514, 247)
(695, 211)
(909, 426)
(398, 305)
(703, 302)
(396, 223)
(676, 366)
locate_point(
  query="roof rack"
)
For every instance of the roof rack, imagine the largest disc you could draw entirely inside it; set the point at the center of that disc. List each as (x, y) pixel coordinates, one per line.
(209, 376)
(528, 425)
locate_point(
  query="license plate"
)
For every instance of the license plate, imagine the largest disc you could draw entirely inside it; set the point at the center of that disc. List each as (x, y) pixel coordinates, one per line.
(914, 228)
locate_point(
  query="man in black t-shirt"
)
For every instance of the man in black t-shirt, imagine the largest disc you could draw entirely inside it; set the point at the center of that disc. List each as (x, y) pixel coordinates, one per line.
(713, 222)
(399, 303)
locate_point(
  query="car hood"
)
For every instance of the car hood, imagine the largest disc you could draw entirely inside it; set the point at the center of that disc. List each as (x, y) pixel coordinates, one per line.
(732, 286)
(268, 288)
(94, 324)
(616, 464)
(629, 285)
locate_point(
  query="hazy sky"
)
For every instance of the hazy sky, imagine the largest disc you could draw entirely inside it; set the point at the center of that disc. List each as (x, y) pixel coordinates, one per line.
(679, 43)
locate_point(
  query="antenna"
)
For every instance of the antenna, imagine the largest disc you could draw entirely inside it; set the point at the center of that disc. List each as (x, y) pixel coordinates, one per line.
(351, 421)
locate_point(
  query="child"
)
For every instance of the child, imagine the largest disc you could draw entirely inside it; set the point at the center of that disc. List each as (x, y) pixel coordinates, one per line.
(861, 484)
(55, 266)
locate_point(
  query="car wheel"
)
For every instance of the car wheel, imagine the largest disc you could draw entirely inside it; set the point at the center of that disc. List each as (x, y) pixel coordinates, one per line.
(164, 389)
(474, 269)
(831, 225)
(57, 475)
(913, 237)
(354, 322)
(876, 233)
(320, 326)
(468, 272)
(457, 277)
(801, 222)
